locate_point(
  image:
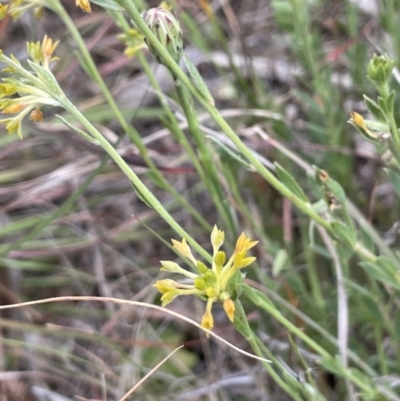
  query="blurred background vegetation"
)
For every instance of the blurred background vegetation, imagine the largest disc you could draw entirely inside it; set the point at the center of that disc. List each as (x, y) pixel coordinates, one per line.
(285, 74)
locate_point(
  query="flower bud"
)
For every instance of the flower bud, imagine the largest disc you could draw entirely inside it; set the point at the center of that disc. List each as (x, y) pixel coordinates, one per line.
(165, 26)
(200, 283)
(229, 308)
(211, 292)
(380, 69)
(217, 238)
(210, 277)
(203, 269)
(220, 258)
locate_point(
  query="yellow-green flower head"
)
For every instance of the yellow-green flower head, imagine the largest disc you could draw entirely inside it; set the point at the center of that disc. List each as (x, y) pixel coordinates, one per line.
(221, 282)
(22, 94)
(165, 26)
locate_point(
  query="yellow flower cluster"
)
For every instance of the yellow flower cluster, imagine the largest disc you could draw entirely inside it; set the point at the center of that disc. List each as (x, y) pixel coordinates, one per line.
(212, 284)
(23, 95)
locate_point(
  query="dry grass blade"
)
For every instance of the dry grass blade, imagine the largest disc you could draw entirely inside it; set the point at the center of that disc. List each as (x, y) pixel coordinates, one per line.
(131, 391)
(133, 303)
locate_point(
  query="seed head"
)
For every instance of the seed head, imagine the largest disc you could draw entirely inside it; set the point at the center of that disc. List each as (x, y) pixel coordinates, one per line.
(165, 26)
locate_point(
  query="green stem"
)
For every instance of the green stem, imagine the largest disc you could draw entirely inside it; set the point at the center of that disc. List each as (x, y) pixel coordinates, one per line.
(181, 138)
(141, 189)
(262, 301)
(128, 128)
(178, 73)
(242, 326)
(211, 180)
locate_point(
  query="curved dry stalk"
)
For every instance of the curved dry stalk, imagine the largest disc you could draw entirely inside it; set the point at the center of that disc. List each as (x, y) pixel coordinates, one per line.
(133, 303)
(131, 391)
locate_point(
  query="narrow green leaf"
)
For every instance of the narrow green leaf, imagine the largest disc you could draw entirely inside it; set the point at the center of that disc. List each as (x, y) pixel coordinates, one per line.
(370, 310)
(198, 80)
(324, 179)
(336, 190)
(387, 264)
(290, 183)
(141, 196)
(381, 274)
(332, 364)
(81, 133)
(232, 153)
(344, 233)
(280, 262)
(49, 82)
(395, 180)
(390, 103)
(382, 104)
(374, 109)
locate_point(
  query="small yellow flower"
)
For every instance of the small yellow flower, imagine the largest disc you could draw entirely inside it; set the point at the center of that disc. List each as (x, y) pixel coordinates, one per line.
(131, 51)
(133, 41)
(207, 320)
(166, 285)
(373, 130)
(13, 125)
(48, 48)
(84, 5)
(218, 283)
(358, 120)
(7, 89)
(244, 243)
(184, 249)
(14, 108)
(35, 51)
(172, 267)
(165, 5)
(229, 308)
(217, 239)
(3, 10)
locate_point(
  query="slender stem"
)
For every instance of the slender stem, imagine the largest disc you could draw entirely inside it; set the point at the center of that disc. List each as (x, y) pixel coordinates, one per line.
(178, 73)
(181, 138)
(261, 300)
(140, 188)
(306, 208)
(242, 326)
(128, 128)
(211, 181)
